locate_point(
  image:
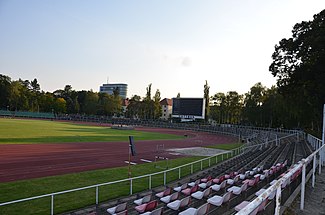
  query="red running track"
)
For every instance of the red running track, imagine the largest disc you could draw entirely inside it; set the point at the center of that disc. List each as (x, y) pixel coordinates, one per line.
(26, 161)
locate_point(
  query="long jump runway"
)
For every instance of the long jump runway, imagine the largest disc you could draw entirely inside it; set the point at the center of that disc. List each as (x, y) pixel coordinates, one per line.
(26, 161)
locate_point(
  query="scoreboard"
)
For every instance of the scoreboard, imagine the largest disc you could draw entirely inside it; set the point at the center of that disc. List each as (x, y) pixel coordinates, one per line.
(188, 108)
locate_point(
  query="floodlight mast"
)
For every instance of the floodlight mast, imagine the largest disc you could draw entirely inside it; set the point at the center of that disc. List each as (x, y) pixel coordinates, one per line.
(323, 137)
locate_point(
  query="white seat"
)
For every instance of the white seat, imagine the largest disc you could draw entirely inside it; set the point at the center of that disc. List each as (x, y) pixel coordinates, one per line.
(188, 211)
(218, 200)
(180, 188)
(200, 194)
(205, 185)
(158, 211)
(175, 205)
(233, 181)
(243, 176)
(217, 187)
(170, 198)
(237, 190)
(203, 209)
(144, 199)
(116, 209)
(192, 184)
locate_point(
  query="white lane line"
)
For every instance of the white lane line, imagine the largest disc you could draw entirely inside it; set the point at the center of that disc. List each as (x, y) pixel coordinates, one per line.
(130, 163)
(144, 160)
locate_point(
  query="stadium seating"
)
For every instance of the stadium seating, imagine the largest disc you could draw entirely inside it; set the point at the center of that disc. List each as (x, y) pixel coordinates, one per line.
(166, 192)
(119, 208)
(203, 209)
(146, 206)
(219, 200)
(201, 194)
(170, 198)
(144, 199)
(177, 204)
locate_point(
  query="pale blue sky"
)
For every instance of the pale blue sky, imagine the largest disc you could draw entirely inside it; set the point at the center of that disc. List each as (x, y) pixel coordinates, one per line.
(174, 44)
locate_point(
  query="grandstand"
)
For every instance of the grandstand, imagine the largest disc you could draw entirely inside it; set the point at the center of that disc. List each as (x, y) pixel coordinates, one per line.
(259, 168)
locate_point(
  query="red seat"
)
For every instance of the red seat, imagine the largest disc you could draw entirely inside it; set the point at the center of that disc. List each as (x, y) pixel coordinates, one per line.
(147, 206)
(219, 180)
(204, 180)
(189, 191)
(164, 193)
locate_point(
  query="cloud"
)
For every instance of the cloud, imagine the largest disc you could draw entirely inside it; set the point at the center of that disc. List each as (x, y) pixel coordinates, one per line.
(186, 61)
(178, 61)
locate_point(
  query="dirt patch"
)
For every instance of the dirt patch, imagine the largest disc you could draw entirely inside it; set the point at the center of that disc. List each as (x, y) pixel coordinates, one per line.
(197, 151)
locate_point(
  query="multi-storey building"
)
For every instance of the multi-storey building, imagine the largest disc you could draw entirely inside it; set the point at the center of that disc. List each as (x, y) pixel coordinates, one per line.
(109, 88)
(166, 106)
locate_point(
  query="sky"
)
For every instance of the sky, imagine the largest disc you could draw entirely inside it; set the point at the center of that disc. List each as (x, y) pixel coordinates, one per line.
(176, 45)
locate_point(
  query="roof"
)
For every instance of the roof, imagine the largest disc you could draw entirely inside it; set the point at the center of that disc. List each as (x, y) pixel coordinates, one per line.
(166, 101)
(125, 102)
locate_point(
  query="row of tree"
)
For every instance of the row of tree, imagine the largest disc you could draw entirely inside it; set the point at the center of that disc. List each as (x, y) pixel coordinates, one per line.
(298, 99)
(260, 106)
(25, 95)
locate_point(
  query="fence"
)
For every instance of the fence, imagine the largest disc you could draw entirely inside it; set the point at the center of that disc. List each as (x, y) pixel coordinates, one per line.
(207, 161)
(27, 114)
(319, 150)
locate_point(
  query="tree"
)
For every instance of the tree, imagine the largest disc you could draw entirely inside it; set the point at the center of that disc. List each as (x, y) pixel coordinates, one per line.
(91, 103)
(148, 94)
(60, 105)
(134, 107)
(148, 106)
(253, 103)
(207, 101)
(218, 109)
(299, 65)
(19, 95)
(105, 104)
(157, 107)
(233, 102)
(5, 89)
(35, 85)
(35, 93)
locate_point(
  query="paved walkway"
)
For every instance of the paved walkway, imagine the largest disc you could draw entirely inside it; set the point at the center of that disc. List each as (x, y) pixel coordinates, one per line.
(314, 198)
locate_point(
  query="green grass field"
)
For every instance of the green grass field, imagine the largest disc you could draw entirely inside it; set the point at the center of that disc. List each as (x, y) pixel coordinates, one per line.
(13, 131)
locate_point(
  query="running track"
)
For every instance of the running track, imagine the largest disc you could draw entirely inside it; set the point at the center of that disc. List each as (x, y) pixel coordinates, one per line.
(26, 161)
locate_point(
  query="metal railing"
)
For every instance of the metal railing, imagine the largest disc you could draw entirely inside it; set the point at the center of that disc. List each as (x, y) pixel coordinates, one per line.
(319, 150)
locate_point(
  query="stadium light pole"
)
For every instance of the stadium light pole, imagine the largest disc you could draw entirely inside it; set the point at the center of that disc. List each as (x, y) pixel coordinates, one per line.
(323, 137)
